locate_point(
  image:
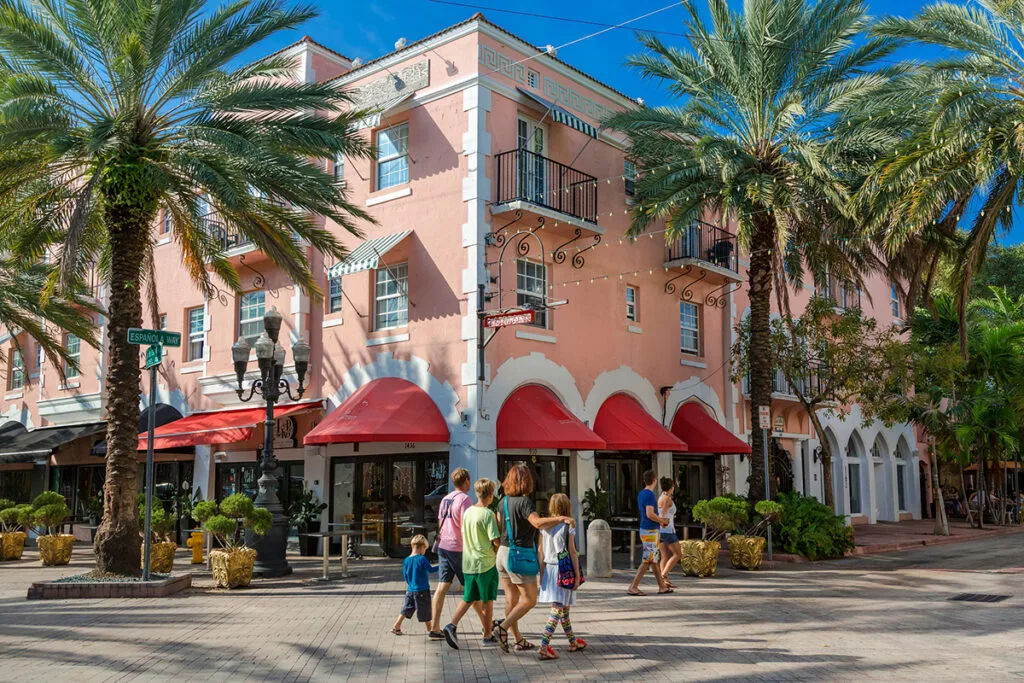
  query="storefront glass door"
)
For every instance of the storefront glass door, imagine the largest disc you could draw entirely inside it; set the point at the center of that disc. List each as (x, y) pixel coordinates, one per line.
(620, 477)
(695, 481)
(550, 476)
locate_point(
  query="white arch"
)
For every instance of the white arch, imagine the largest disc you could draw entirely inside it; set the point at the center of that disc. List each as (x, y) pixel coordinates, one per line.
(16, 414)
(175, 398)
(857, 453)
(535, 368)
(415, 370)
(623, 380)
(685, 392)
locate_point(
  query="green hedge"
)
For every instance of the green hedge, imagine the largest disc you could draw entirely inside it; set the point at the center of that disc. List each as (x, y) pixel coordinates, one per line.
(811, 529)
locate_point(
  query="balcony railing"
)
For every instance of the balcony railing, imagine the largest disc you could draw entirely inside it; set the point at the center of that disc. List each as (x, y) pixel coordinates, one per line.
(529, 177)
(843, 294)
(810, 384)
(705, 242)
(226, 236)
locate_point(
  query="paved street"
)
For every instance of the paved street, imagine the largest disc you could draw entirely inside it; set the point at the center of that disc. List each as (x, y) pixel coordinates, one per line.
(874, 617)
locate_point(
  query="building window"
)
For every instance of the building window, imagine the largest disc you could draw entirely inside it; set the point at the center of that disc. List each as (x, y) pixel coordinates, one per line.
(73, 347)
(631, 303)
(250, 316)
(689, 328)
(629, 177)
(853, 470)
(163, 321)
(894, 300)
(40, 354)
(16, 377)
(531, 289)
(901, 484)
(167, 222)
(334, 295)
(339, 168)
(393, 156)
(391, 297)
(532, 78)
(196, 333)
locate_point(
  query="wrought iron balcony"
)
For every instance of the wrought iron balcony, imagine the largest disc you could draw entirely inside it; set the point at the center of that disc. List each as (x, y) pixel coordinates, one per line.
(226, 236)
(810, 384)
(529, 177)
(704, 242)
(845, 295)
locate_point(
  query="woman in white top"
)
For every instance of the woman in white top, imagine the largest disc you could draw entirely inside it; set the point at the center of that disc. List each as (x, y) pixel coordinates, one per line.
(554, 541)
(671, 553)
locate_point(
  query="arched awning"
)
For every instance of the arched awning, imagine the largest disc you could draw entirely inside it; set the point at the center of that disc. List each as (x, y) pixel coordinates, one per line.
(533, 417)
(388, 409)
(230, 425)
(626, 426)
(703, 434)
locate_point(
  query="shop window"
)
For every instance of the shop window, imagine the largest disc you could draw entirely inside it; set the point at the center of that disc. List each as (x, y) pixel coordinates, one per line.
(689, 328)
(334, 295)
(391, 297)
(196, 333)
(531, 289)
(73, 347)
(251, 307)
(16, 485)
(16, 372)
(393, 156)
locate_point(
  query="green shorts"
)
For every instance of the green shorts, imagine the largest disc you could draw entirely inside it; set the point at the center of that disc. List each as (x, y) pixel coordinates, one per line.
(482, 587)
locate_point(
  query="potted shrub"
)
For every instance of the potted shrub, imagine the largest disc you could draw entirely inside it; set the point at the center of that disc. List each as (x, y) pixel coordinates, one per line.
(305, 514)
(745, 550)
(162, 547)
(49, 510)
(720, 516)
(14, 519)
(232, 566)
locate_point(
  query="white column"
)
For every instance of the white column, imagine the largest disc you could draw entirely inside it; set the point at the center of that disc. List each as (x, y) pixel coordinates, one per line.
(663, 464)
(203, 472)
(582, 476)
(914, 484)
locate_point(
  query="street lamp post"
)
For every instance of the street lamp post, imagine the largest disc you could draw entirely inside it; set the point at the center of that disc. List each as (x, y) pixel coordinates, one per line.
(270, 550)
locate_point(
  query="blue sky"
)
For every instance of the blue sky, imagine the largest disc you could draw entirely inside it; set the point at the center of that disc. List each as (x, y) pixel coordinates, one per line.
(370, 28)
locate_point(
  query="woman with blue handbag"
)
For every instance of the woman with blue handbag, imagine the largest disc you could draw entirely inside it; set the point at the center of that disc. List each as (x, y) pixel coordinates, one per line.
(517, 563)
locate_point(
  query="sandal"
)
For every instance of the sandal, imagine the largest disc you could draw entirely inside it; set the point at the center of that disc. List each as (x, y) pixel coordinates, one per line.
(547, 652)
(397, 631)
(666, 591)
(525, 645)
(578, 645)
(502, 636)
(636, 593)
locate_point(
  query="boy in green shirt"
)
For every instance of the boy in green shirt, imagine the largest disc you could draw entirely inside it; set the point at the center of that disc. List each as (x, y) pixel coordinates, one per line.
(480, 539)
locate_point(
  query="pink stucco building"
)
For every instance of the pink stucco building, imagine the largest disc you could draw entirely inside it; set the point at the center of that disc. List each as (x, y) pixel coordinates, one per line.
(494, 189)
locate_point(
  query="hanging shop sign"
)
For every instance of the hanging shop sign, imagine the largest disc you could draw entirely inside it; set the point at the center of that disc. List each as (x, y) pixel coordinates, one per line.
(285, 432)
(509, 319)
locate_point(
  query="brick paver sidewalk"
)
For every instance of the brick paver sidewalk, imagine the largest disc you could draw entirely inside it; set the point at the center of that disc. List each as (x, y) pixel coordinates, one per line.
(851, 620)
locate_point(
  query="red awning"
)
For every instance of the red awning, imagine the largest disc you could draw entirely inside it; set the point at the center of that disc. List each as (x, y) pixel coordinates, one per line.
(385, 409)
(703, 434)
(626, 426)
(219, 426)
(533, 417)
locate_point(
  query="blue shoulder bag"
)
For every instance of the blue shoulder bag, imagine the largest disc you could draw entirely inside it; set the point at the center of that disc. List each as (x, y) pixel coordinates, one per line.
(520, 560)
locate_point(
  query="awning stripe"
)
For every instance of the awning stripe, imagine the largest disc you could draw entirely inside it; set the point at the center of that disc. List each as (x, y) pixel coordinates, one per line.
(560, 115)
(367, 255)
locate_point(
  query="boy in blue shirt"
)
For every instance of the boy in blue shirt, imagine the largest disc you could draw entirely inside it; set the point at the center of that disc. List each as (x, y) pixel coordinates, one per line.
(416, 570)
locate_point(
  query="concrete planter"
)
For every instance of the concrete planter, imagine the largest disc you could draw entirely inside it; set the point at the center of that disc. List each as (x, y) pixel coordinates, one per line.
(745, 552)
(12, 544)
(700, 558)
(161, 557)
(232, 569)
(55, 549)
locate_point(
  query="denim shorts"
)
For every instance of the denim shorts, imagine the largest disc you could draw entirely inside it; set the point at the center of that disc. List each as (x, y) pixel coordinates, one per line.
(449, 564)
(669, 539)
(418, 602)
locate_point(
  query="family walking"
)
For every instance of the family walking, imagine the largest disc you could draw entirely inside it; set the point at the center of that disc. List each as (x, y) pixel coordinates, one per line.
(483, 549)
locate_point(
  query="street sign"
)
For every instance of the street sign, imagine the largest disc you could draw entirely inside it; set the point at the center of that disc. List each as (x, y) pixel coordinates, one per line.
(137, 335)
(764, 416)
(508, 319)
(154, 356)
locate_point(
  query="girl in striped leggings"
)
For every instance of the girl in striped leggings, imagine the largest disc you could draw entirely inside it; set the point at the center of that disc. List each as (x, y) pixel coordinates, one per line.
(553, 542)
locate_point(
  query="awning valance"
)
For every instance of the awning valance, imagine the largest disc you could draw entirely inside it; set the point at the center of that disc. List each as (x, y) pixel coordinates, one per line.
(560, 115)
(373, 120)
(624, 424)
(219, 426)
(533, 417)
(40, 443)
(703, 434)
(387, 409)
(367, 255)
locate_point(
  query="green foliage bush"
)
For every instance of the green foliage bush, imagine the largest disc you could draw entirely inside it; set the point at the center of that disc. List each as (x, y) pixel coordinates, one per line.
(237, 505)
(769, 510)
(595, 505)
(161, 523)
(49, 510)
(204, 510)
(227, 520)
(305, 511)
(16, 518)
(6, 504)
(722, 515)
(48, 498)
(811, 529)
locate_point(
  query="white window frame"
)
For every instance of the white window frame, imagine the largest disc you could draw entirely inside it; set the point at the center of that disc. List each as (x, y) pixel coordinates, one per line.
(163, 321)
(338, 170)
(631, 301)
(252, 319)
(629, 177)
(391, 306)
(16, 376)
(334, 297)
(894, 300)
(532, 79)
(196, 337)
(69, 341)
(685, 328)
(168, 222)
(528, 274)
(395, 156)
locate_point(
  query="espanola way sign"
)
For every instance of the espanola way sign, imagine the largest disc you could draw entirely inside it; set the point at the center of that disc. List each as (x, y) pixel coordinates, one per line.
(137, 335)
(508, 319)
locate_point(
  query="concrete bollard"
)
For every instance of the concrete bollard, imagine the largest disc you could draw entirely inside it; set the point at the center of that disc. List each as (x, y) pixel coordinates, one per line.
(599, 549)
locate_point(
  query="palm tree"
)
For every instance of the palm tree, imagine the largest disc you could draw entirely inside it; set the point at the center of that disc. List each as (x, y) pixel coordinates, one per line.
(112, 109)
(757, 138)
(962, 156)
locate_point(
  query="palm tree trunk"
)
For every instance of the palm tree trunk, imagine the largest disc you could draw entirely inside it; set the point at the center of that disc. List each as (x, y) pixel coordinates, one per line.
(941, 523)
(967, 502)
(826, 459)
(117, 543)
(760, 356)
